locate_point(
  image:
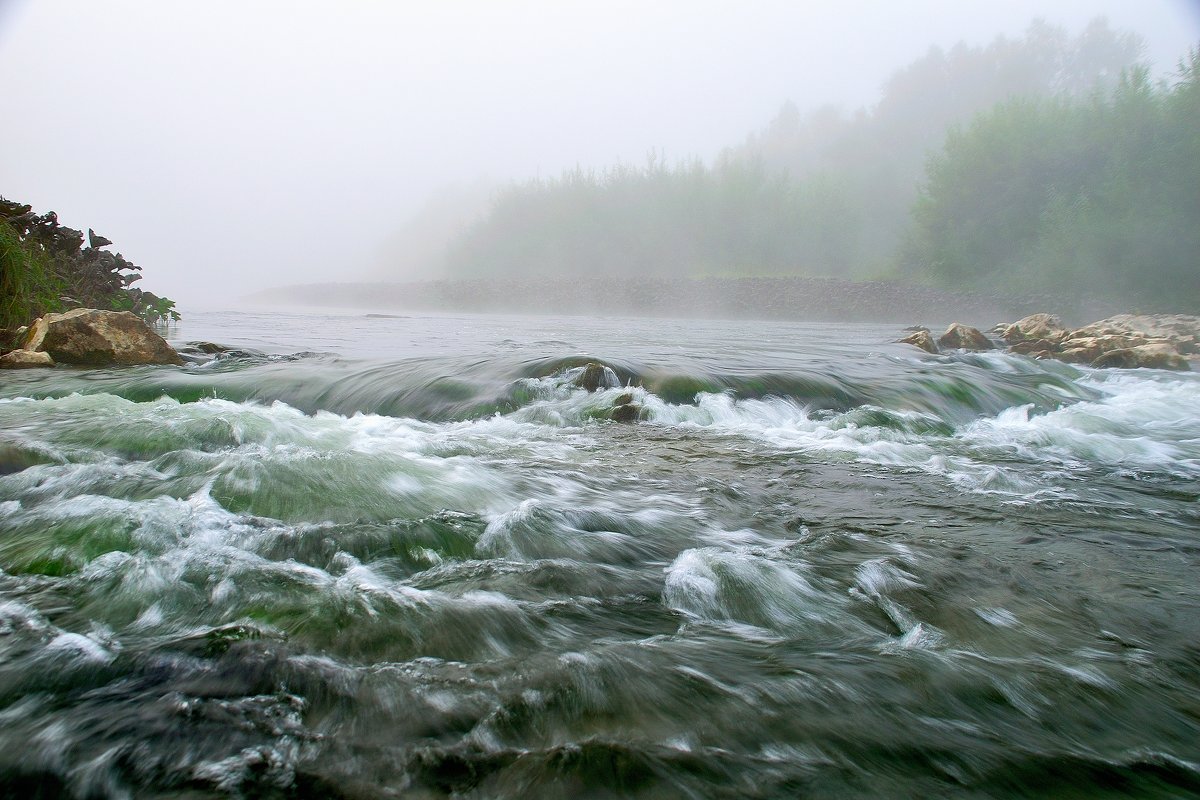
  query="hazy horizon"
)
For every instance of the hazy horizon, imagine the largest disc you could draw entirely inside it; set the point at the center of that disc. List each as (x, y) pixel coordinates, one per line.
(229, 148)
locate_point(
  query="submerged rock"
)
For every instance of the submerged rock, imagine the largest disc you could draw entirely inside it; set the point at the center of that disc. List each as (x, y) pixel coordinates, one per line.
(209, 347)
(593, 377)
(99, 338)
(628, 412)
(922, 339)
(25, 359)
(964, 337)
(15, 458)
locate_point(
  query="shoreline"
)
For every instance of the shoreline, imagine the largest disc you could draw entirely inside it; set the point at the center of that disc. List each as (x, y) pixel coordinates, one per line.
(775, 298)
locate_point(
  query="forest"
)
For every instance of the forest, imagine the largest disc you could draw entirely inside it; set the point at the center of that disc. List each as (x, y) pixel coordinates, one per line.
(1040, 163)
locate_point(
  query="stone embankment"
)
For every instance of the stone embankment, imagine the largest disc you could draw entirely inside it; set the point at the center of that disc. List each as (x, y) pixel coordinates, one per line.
(1154, 341)
(782, 298)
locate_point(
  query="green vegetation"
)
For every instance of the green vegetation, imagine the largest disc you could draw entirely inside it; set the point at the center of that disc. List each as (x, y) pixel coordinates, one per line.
(1098, 196)
(1043, 163)
(28, 287)
(44, 267)
(735, 218)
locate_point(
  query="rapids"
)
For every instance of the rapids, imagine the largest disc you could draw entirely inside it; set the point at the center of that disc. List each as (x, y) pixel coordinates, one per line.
(406, 556)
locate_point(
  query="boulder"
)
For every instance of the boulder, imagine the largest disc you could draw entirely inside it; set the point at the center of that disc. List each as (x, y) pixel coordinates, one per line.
(25, 359)
(1152, 326)
(211, 348)
(1078, 355)
(1086, 349)
(1033, 347)
(922, 339)
(964, 337)
(1151, 356)
(99, 338)
(627, 412)
(593, 377)
(1036, 326)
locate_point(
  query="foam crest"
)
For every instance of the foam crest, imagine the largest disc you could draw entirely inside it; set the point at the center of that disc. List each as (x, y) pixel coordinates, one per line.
(1143, 423)
(744, 585)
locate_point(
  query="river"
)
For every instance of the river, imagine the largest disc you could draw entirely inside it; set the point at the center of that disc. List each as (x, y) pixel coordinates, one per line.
(376, 556)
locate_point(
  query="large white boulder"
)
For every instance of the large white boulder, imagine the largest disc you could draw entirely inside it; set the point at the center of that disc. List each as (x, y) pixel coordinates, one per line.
(99, 338)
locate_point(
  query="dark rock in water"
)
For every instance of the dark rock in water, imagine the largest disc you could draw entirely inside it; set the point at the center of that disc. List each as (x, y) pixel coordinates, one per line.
(627, 412)
(964, 337)
(921, 339)
(209, 347)
(1150, 356)
(25, 359)
(203, 352)
(1033, 347)
(593, 377)
(624, 399)
(218, 640)
(238, 352)
(14, 458)
(917, 328)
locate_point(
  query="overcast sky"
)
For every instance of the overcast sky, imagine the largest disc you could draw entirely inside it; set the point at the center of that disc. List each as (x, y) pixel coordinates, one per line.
(230, 146)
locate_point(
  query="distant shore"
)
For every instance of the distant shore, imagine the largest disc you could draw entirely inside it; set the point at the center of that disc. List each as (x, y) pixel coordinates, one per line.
(790, 298)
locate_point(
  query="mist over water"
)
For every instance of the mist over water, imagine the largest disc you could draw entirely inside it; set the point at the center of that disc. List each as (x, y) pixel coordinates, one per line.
(615, 482)
(366, 144)
(410, 557)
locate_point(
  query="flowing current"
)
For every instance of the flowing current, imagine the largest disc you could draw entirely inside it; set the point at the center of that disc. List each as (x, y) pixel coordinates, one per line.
(367, 556)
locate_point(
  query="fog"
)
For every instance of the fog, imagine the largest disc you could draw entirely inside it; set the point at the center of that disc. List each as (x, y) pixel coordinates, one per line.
(228, 147)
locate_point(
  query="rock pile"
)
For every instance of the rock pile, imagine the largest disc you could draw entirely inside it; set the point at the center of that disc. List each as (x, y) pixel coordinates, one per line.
(1159, 341)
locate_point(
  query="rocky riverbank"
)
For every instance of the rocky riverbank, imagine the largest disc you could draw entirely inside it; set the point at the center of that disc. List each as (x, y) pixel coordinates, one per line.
(1155, 341)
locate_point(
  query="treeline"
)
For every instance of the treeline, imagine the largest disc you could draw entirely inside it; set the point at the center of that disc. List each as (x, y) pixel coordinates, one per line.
(907, 189)
(1069, 196)
(732, 219)
(869, 164)
(45, 267)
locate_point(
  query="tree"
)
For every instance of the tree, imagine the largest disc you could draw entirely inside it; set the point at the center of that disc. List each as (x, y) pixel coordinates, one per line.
(1072, 196)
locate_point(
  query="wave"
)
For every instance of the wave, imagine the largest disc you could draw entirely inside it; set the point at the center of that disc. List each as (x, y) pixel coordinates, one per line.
(449, 388)
(931, 420)
(498, 592)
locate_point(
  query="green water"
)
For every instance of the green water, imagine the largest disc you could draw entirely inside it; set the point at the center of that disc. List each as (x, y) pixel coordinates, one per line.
(407, 557)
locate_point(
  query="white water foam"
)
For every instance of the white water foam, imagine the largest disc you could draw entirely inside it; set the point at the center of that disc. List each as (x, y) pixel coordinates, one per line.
(1144, 423)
